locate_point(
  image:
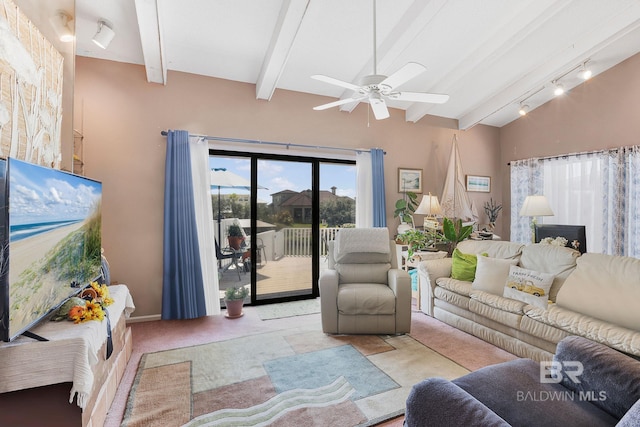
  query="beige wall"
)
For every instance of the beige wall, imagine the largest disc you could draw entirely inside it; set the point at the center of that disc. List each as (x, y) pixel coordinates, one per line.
(601, 113)
(121, 116)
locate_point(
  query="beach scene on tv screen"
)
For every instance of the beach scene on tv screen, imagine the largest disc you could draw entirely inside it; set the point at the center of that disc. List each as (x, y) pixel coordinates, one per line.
(54, 239)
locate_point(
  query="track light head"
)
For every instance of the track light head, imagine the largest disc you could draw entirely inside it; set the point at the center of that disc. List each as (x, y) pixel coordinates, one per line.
(104, 35)
(60, 22)
(559, 89)
(585, 73)
(524, 109)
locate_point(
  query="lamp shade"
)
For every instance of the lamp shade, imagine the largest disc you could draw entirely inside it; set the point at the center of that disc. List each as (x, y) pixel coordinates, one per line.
(536, 206)
(429, 206)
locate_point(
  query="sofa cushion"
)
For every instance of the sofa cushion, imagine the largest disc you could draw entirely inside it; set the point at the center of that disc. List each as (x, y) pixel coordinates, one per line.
(463, 266)
(612, 378)
(620, 338)
(528, 286)
(461, 287)
(438, 402)
(491, 274)
(499, 302)
(557, 260)
(366, 298)
(632, 417)
(605, 287)
(493, 248)
(514, 392)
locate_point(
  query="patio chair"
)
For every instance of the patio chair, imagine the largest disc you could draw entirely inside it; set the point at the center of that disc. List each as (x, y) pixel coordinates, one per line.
(363, 291)
(260, 247)
(227, 253)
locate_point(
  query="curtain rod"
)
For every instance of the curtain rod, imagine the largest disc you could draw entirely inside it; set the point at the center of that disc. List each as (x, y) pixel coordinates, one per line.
(576, 154)
(283, 144)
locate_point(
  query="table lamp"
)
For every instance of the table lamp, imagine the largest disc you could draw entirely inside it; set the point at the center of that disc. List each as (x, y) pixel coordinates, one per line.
(535, 206)
(430, 207)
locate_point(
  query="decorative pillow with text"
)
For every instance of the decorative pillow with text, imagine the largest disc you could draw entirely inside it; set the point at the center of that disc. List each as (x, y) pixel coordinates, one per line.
(528, 286)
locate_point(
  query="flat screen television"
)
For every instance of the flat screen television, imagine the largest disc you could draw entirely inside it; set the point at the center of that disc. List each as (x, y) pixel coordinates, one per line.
(50, 237)
(570, 232)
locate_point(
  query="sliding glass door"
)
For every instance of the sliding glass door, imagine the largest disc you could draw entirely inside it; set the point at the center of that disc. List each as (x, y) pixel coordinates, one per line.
(288, 208)
(286, 240)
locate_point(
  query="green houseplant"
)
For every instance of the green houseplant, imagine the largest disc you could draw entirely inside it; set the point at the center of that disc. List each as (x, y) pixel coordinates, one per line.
(234, 300)
(455, 232)
(418, 240)
(405, 207)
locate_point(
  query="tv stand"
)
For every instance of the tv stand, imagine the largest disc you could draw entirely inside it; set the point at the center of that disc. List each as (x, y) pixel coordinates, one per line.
(69, 378)
(36, 337)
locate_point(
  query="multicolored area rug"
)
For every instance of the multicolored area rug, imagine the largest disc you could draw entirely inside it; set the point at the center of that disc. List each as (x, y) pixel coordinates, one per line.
(285, 378)
(288, 309)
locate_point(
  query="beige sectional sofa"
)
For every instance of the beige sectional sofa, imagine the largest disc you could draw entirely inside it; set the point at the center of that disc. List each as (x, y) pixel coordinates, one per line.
(595, 296)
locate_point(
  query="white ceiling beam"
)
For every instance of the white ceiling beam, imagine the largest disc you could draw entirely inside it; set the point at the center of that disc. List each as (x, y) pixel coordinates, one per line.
(587, 46)
(521, 26)
(284, 36)
(416, 18)
(151, 40)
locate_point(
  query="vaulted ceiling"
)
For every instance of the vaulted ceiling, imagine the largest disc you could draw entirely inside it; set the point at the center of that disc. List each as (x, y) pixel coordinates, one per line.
(488, 55)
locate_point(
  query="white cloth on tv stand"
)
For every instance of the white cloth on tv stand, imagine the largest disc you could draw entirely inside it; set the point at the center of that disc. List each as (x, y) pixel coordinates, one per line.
(68, 356)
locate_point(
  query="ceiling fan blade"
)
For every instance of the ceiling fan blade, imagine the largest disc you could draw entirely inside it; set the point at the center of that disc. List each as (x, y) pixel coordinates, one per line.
(379, 107)
(337, 103)
(335, 82)
(433, 98)
(403, 75)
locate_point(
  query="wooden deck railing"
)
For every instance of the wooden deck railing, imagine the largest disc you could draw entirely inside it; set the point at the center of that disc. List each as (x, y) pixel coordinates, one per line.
(298, 242)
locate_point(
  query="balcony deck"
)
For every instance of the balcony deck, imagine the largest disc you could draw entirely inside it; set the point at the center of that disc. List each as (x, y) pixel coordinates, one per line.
(289, 275)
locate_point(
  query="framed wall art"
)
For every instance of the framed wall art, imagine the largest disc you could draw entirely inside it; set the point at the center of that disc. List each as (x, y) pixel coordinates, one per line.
(481, 184)
(409, 180)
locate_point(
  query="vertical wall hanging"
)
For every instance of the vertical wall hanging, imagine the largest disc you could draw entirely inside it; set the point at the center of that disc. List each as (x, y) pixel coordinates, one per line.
(30, 91)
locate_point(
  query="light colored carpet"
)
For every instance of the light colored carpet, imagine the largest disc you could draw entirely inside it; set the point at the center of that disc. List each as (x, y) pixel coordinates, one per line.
(288, 309)
(291, 377)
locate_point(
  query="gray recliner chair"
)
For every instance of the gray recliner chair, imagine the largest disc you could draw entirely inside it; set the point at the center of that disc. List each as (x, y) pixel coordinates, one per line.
(363, 291)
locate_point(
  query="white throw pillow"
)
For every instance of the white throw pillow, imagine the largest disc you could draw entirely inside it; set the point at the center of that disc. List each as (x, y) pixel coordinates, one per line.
(491, 274)
(528, 286)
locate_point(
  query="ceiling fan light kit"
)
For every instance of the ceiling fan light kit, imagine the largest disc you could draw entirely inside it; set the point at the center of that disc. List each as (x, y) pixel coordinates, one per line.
(375, 88)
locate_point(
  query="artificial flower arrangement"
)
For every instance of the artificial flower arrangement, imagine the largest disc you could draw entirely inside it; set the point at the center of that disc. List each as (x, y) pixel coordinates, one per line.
(90, 306)
(560, 241)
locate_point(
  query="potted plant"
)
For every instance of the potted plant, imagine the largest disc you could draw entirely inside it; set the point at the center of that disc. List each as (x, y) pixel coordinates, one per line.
(492, 210)
(405, 208)
(417, 240)
(234, 300)
(235, 236)
(455, 232)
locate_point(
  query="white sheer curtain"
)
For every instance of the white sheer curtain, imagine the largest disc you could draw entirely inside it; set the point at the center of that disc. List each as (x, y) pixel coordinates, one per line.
(527, 177)
(600, 190)
(364, 199)
(573, 187)
(620, 180)
(204, 220)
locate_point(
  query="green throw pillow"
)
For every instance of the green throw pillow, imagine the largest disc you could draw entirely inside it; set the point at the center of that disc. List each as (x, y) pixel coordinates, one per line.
(463, 266)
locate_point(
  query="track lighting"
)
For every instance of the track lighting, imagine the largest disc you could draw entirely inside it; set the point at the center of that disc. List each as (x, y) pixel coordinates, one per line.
(524, 109)
(60, 22)
(559, 89)
(104, 35)
(585, 73)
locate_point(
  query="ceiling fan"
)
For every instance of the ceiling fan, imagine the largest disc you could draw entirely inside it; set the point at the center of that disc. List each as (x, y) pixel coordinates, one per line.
(376, 88)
